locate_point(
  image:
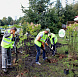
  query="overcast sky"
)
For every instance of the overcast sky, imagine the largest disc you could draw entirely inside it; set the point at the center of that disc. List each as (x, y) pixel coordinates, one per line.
(13, 7)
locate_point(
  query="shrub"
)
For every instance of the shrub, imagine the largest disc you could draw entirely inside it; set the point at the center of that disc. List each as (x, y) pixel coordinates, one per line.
(71, 34)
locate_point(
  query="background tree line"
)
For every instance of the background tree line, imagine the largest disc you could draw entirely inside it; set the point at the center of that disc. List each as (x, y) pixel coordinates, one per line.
(40, 13)
(8, 21)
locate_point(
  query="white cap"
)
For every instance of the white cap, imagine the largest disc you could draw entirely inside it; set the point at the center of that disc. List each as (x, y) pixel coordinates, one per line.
(48, 30)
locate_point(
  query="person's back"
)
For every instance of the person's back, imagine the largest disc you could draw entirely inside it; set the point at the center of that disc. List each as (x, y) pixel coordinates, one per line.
(43, 38)
(52, 36)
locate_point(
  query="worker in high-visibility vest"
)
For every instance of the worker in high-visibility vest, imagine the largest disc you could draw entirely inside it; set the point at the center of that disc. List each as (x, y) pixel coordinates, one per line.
(6, 45)
(53, 40)
(39, 43)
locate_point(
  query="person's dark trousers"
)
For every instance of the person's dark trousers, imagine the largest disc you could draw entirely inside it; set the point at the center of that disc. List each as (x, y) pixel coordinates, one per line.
(6, 57)
(38, 53)
(54, 49)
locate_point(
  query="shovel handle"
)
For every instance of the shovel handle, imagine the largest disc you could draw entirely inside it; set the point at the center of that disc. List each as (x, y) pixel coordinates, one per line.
(43, 45)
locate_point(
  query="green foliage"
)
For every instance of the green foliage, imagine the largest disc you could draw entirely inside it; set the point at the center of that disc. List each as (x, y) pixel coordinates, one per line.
(53, 18)
(69, 14)
(5, 26)
(36, 10)
(1, 23)
(75, 8)
(10, 20)
(52, 21)
(33, 29)
(58, 7)
(5, 21)
(66, 65)
(24, 27)
(71, 35)
(15, 25)
(38, 5)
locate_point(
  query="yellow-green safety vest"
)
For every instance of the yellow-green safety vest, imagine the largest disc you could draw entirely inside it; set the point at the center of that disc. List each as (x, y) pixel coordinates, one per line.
(43, 38)
(7, 42)
(53, 36)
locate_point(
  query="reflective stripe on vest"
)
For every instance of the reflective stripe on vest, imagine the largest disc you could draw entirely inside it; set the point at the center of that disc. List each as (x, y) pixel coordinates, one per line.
(9, 38)
(42, 39)
(7, 42)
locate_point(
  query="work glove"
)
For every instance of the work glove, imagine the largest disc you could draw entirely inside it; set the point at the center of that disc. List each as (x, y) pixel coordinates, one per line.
(43, 45)
(52, 47)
